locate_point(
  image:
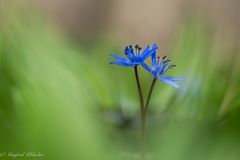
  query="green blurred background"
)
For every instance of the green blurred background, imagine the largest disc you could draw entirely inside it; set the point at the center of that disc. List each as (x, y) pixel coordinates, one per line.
(59, 96)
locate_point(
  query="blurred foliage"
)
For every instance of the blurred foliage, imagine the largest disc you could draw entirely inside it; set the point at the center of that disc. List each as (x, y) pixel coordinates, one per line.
(64, 100)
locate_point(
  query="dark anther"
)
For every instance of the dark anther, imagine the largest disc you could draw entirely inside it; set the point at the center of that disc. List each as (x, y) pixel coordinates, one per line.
(136, 46)
(166, 61)
(164, 57)
(130, 46)
(139, 48)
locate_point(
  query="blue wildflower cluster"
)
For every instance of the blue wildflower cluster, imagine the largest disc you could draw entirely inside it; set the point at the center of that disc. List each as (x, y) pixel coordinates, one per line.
(135, 57)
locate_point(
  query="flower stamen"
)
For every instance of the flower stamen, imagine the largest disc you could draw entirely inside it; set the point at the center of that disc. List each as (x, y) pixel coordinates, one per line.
(158, 59)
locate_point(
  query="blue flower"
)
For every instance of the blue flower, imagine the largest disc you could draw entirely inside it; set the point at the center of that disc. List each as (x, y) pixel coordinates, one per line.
(160, 68)
(134, 57)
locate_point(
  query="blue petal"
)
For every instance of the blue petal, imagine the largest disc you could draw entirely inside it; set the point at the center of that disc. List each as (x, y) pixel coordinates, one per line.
(119, 58)
(145, 55)
(154, 59)
(174, 78)
(120, 63)
(146, 50)
(174, 84)
(146, 67)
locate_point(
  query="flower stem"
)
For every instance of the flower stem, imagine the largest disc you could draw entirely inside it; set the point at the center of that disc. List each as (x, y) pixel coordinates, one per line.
(149, 94)
(139, 90)
(143, 118)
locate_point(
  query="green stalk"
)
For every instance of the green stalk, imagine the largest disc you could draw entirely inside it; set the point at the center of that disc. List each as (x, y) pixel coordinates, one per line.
(150, 94)
(143, 118)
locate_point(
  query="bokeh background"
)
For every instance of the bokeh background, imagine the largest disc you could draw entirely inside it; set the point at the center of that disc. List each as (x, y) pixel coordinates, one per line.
(60, 97)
